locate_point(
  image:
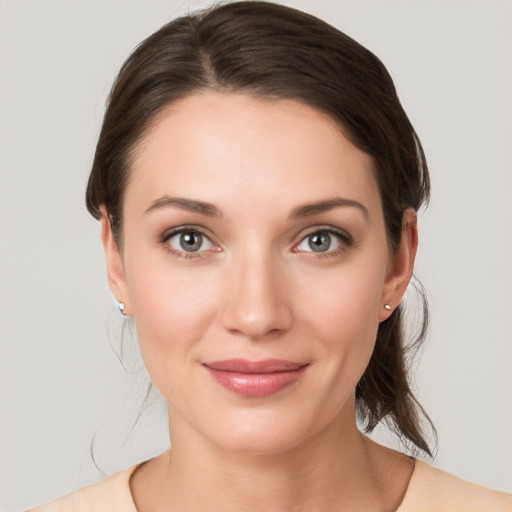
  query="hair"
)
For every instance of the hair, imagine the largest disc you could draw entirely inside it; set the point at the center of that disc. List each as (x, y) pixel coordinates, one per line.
(274, 52)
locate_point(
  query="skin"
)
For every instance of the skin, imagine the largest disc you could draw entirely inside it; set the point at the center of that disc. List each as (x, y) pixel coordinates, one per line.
(257, 290)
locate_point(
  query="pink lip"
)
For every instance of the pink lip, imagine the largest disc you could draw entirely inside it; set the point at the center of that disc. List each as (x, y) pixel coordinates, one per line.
(255, 379)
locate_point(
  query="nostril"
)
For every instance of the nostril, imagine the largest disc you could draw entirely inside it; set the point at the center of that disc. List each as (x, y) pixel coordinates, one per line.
(255, 303)
(257, 323)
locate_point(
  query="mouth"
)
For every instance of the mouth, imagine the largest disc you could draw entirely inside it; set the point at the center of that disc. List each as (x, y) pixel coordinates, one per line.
(256, 379)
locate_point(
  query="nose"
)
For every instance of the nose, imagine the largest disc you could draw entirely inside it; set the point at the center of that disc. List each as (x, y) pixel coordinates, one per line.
(257, 302)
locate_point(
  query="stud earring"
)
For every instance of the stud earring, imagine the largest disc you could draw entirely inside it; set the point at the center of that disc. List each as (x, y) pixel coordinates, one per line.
(121, 307)
(387, 307)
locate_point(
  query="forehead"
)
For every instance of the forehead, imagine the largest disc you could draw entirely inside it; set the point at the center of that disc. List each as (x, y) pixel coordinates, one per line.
(222, 146)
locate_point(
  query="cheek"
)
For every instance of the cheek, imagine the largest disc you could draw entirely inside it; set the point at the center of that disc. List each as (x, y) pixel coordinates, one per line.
(342, 312)
(173, 308)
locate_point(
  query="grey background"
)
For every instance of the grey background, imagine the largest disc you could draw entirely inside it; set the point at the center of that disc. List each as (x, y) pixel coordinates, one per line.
(61, 382)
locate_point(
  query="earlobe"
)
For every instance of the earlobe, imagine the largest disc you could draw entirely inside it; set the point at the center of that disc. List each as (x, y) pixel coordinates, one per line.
(114, 262)
(401, 265)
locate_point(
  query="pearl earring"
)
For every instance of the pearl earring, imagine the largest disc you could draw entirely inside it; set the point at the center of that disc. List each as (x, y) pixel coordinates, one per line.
(121, 307)
(387, 307)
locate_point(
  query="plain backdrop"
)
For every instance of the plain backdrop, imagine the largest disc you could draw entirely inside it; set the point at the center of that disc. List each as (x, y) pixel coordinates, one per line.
(61, 383)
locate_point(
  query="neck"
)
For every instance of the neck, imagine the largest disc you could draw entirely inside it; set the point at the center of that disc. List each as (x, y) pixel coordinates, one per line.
(331, 471)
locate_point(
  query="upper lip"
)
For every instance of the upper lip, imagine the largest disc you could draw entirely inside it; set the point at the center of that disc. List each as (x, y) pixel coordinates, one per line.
(261, 366)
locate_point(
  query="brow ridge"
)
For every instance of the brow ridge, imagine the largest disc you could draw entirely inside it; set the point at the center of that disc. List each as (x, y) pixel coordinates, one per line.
(192, 205)
(322, 206)
(300, 211)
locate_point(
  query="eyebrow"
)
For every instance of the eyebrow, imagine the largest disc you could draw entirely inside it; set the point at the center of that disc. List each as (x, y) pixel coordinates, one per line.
(323, 206)
(301, 211)
(191, 205)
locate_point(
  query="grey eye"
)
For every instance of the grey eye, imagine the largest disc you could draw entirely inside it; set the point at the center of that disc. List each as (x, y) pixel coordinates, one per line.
(189, 241)
(319, 242)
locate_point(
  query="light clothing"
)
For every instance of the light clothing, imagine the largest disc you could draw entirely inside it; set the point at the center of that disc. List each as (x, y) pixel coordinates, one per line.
(429, 489)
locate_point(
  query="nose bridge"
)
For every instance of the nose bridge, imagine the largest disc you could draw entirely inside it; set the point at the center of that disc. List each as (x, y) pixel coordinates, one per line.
(256, 303)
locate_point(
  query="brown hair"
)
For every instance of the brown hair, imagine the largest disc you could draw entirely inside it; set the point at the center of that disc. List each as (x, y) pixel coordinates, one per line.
(276, 52)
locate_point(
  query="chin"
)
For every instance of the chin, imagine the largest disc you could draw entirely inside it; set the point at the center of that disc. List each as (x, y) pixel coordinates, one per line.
(266, 432)
(272, 441)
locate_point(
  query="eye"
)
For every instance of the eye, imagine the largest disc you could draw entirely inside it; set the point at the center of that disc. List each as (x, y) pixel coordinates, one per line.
(189, 241)
(322, 241)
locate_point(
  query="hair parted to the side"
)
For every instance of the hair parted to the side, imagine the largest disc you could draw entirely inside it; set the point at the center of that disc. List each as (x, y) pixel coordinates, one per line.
(275, 52)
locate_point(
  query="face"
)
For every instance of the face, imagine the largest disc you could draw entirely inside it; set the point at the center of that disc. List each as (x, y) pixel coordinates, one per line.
(255, 262)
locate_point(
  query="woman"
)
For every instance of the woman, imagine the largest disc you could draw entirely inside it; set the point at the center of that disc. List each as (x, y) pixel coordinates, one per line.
(257, 183)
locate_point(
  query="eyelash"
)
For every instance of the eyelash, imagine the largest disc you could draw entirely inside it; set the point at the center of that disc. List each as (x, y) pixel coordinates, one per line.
(345, 239)
(184, 229)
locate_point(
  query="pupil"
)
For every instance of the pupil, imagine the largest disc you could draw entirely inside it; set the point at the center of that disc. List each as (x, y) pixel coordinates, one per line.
(320, 242)
(191, 242)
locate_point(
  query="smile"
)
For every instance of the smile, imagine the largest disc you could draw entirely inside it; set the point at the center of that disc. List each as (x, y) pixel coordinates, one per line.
(256, 379)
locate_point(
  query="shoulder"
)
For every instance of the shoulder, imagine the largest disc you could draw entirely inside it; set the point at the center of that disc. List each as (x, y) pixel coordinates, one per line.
(435, 490)
(111, 494)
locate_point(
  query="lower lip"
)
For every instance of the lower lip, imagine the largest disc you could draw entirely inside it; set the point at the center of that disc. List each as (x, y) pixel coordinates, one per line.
(257, 385)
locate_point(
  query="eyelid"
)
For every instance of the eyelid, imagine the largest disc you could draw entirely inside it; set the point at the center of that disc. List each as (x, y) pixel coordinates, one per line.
(168, 234)
(345, 237)
(181, 229)
(346, 240)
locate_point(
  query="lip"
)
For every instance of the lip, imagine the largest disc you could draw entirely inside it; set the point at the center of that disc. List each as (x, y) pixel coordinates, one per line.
(256, 379)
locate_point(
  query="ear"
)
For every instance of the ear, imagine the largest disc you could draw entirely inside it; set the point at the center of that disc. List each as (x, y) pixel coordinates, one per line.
(401, 265)
(114, 261)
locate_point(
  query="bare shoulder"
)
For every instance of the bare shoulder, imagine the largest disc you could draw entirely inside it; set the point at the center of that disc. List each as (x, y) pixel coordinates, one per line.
(111, 494)
(435, 490)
